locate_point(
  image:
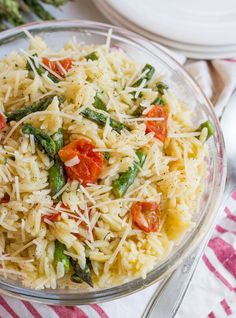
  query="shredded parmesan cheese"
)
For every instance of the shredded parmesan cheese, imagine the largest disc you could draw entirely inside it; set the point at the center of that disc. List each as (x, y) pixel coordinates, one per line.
(108, 41)
(145, 119)
(184, 135)
(117, 250)
(17, 188)
(24, 247)
(32, 143)
(61, 67)
(61, 191)
(72, 162)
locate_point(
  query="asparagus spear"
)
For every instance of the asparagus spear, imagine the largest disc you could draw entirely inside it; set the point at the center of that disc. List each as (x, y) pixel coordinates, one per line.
(101, 119)
(76, 279)
(45, 142)
(121, 185)
(9, 10)
(60, 256)
(39, 10)
(138, 112)
(51, 145)
(40, 70)
(107, 155)
(147, 76)
(161, 87)
(159, 101)
(2, 25)
(55, 3)
(82, 275)
(210, 128)
(56, 173)
(92, 56)
(41, 105)
(58, 138)
(98, 103)
(56, 176)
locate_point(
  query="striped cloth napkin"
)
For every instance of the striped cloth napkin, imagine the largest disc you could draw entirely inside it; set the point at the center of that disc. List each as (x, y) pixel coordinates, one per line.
(212, 290)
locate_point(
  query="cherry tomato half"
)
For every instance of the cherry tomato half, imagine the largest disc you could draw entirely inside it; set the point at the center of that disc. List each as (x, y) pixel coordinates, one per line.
(158, 127)
(3, 123)
(53, 65)
(5, 198)
(90, 162)
(146, 215)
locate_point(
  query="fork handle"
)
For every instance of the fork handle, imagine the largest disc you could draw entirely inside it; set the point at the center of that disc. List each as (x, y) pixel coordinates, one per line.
(165, 301)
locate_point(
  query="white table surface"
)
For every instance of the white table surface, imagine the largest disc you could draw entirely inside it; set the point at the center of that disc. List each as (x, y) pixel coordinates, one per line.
(78, 9)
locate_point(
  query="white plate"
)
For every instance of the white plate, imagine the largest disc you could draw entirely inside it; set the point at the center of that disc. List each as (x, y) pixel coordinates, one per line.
(193, 51)
(204, 22)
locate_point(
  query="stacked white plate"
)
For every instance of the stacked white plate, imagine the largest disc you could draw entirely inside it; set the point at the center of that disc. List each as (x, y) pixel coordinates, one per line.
(198, 28)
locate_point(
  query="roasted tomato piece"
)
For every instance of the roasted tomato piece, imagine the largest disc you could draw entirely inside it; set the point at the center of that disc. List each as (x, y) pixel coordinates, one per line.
(5, 198)
(66, 64)
(90, 163)
(146, 216)
(158, 127)
(3, 123)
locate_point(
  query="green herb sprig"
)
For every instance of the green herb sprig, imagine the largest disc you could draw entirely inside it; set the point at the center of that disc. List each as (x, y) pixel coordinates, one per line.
(11, 11)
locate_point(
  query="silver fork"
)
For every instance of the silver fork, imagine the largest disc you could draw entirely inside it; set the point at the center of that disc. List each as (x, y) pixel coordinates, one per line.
(167, 299)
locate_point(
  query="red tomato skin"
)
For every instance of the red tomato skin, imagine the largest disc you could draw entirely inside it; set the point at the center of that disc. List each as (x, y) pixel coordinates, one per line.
(53, 217)
(79, 237)
(65, 63)
(5, 198)
(159, 128)
(3, 123)
(90, 165)
(153, 216)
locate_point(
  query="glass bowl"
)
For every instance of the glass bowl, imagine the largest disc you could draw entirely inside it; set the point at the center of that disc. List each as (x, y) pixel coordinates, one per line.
(56, 33)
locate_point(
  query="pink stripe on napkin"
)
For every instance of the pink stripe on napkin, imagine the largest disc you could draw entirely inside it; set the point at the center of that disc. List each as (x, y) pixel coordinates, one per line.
(222, 305)
(233, 195)
(225, 253)
(69, 312)
(5, 305)
(226, 307)
(216, 273)
(222, 230)
(99, 310)
(34, 312)
(230, 215)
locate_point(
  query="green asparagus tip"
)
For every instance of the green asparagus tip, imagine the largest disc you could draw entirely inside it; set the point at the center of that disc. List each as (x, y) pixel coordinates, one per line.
(161, 87)
(210, 128)
(84, 274)
(44, 141)
(107, 155)
(76, 279)
(98, 103)
(60, 256)
(56, 178)
(150, 70)
(92, 56)
(56, 3)
(39, 10)
(127, 178)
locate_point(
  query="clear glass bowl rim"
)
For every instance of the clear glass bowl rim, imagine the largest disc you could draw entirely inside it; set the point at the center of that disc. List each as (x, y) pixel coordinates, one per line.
(171, 263)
